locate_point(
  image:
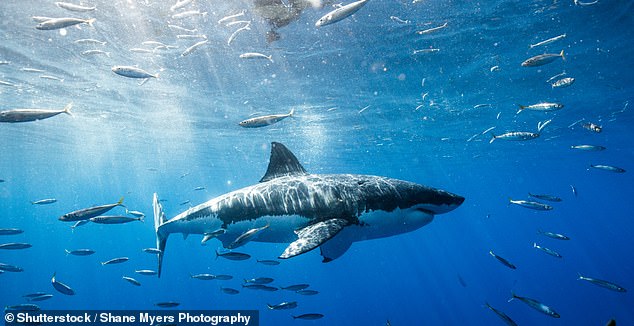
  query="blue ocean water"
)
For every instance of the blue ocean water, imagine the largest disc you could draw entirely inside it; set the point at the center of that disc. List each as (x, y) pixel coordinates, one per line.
(367, 100)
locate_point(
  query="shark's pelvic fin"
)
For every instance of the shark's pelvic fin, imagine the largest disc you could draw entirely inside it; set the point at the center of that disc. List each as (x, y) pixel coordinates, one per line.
(313, 236)
(282, 163)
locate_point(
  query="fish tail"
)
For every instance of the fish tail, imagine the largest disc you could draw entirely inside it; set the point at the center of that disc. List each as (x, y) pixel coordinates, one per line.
(120, 203)
(513, 296)
(493, 137)
(67, 252)
(292, 113)
(270, 57)
(161, 238)
(534, 244)
(579, 277)
(271, 307)
(67, 108)
(561, 54)
(521, 108)
(91, 21)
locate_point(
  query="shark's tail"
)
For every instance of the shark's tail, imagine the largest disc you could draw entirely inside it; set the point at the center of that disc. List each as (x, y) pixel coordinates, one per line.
(161, 238)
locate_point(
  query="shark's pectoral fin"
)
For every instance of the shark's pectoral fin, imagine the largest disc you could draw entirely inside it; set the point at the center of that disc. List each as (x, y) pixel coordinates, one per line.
(313, 236)
(335, 247)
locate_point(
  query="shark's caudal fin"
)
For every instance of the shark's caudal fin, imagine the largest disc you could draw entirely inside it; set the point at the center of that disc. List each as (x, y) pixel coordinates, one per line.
(282, 163)
(161, 239)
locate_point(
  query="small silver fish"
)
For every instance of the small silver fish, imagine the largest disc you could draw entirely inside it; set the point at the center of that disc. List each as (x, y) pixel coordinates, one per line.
(268, 262)
(608, 168)
(80, 252)
(89, 41)
(283, 305)
(44, 201)
(117, 260)
(61, 287)
(259, 280)
(545, 197)
(548, 41)
(223, 277)
(211, 235)
(340, 13)
(57, 23)
(192, 48)
(515, 135)
(132, 281)
(167, 304)
(15, 246)
(502, 315)
(133, 72)
(295, 287)
(547, 250)
(107, 219)
(542, 59)
(180, 4)
(603, 283)
(502, 260)
(10, 231)
(28, 115)
(564, 82)
(307, 292)
(93, 52)
(190, 13)
(229, 291)
(544, 107)
(153, 251)
(592, 127)
(10, 268)
(74, 7)
(531, 204)
(589, 148)
(266, 120)
(204, 277)
(233, 255)
(311, 316)
(147, 272)
(255, 55)
(90, 212)
(246, 237)
(536, 305)
(552, 235)
(42, 297)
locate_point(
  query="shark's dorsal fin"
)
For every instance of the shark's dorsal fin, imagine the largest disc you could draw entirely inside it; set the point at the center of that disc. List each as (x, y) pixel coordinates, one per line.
(282, 163)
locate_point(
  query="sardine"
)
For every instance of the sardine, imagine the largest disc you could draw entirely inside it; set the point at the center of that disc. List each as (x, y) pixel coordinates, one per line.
(61, 287)
(268, 262)
(117, 260)
(547, 250)
(564, 82)
(609, 168)
(57, 23)
(103, 219)
(259, 280)
(266, 120)
(167, 304)
(246, 237)
(589, 148)
(132, 280)
(502, 260)
(536, 305)
(10, 231)
(255, 55)
(229, 290)
(74, 7)
(295, 287)
(15, 246)
(602, 283)
(204, 277)
(44, 201)
(340, 13)
(502, 315)
(233, 255)
(90, 212)
(283, 305)
(146, 272)
(515, 135)
(552, 235)
(132, 72)
(542, 59)
(27, 115)
(80, 252)
(545, 197)
(311, 316)
(531, 204)
(544, 107)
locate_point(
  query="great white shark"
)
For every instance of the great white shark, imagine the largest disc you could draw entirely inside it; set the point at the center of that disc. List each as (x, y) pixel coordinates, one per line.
(329, 211)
